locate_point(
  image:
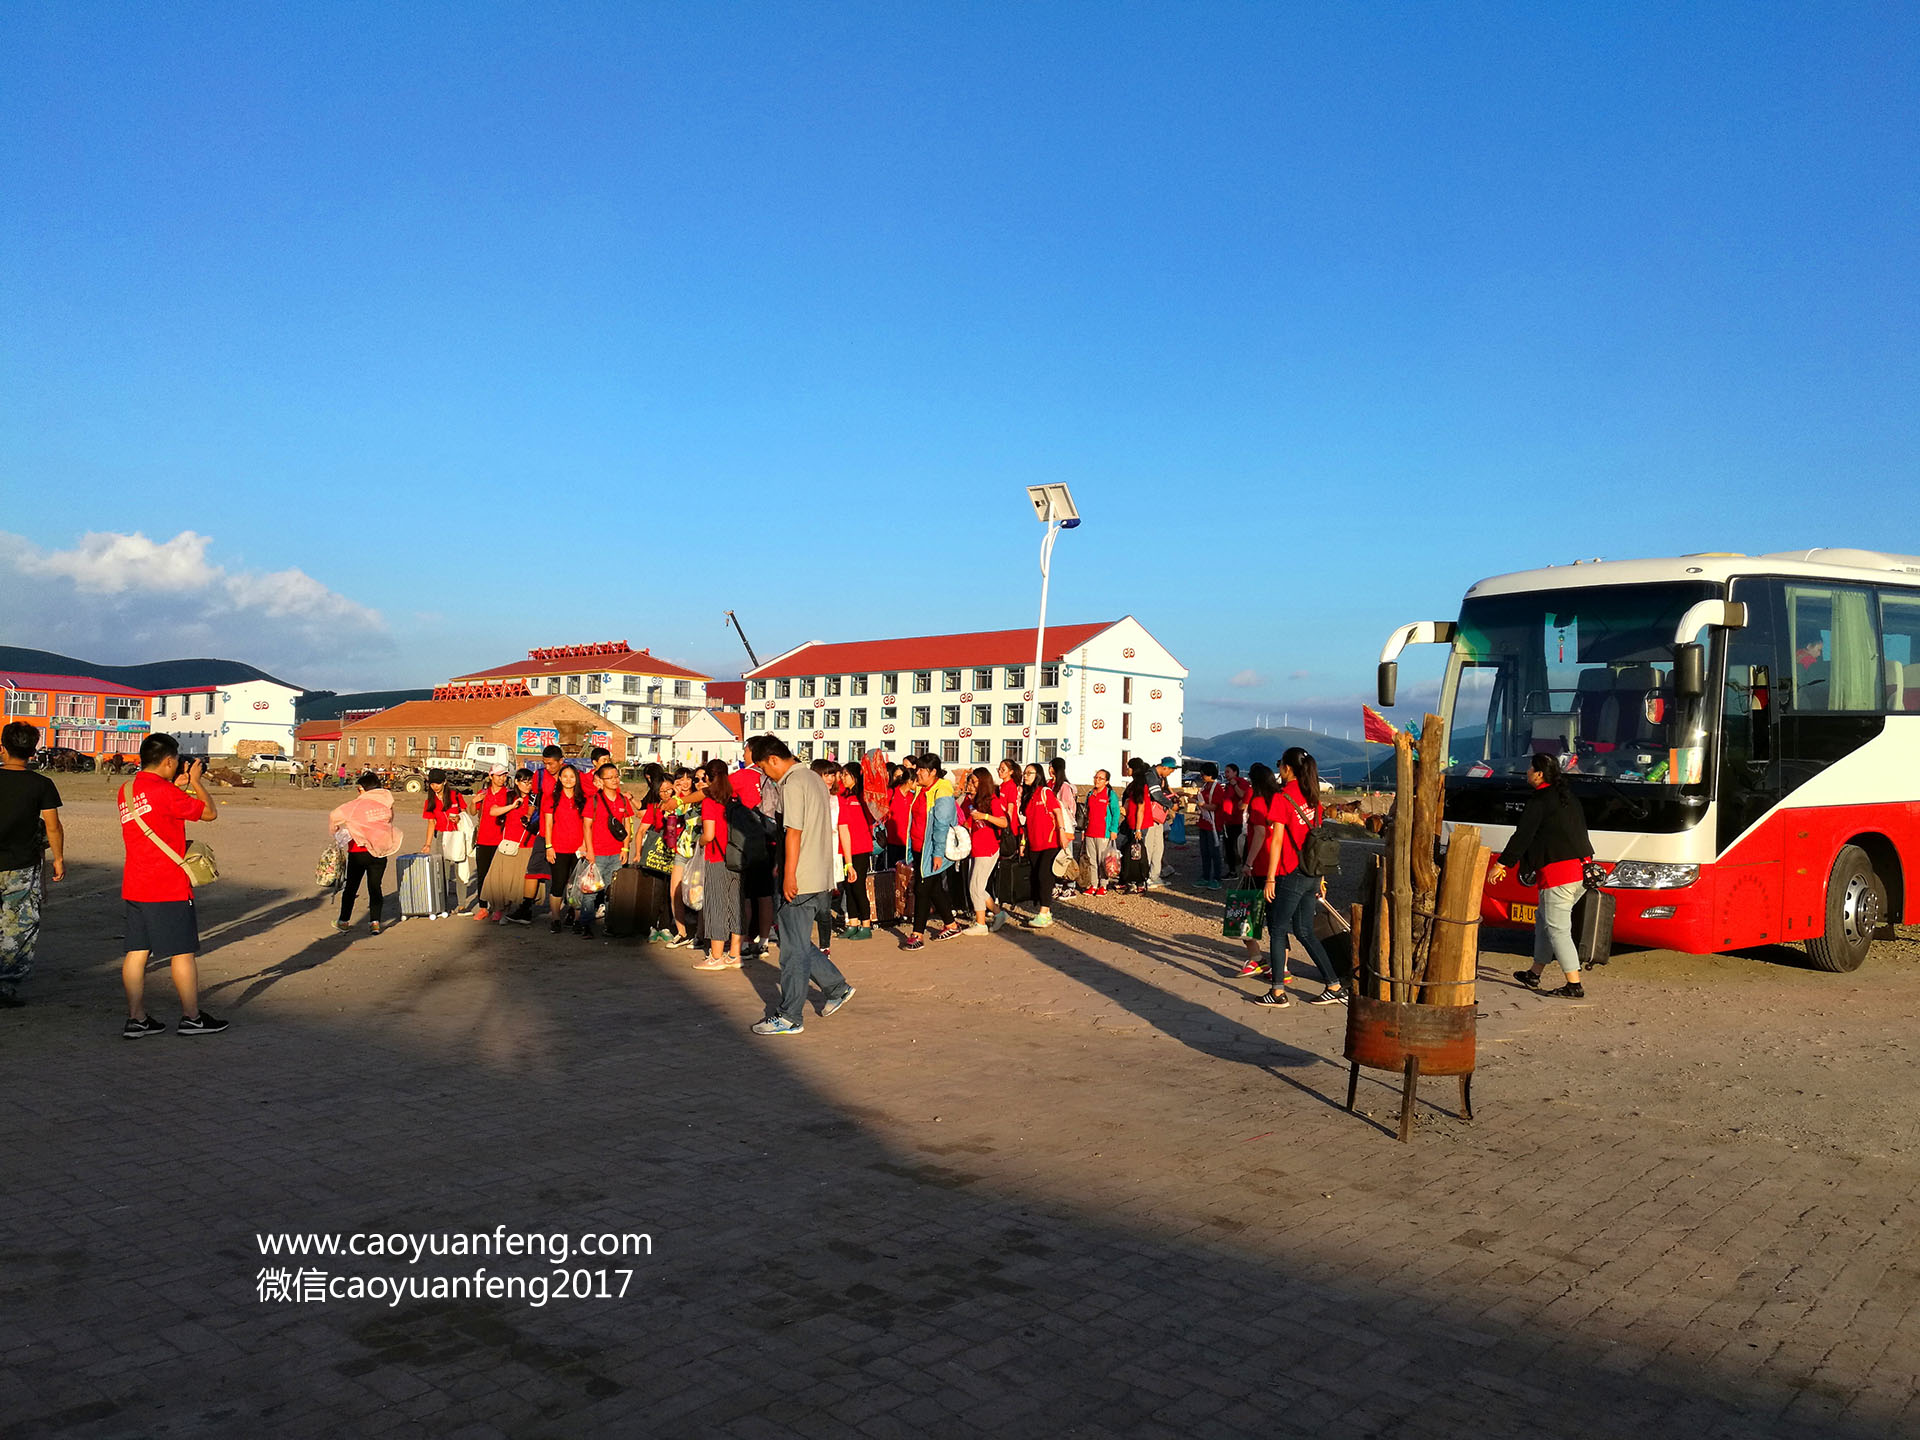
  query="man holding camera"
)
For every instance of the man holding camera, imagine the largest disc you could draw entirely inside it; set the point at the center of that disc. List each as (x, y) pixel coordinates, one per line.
(155, 807)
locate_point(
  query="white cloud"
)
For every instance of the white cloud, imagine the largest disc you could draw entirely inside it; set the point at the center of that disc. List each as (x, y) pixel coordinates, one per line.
(122, 599)
(1245, 680)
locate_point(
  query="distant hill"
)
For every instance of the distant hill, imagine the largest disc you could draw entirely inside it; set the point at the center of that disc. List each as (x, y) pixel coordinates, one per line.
(155, 675)
(1340, 760)
(327, 705)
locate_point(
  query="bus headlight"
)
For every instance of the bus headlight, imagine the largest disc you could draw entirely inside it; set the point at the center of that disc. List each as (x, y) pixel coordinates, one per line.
(1651, 875)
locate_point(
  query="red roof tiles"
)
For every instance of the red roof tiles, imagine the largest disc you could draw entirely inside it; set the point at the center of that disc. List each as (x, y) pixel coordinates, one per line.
(928, 652)
(587, 660)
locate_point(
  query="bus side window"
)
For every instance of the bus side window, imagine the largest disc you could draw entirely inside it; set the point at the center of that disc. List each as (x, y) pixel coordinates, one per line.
(1835, 661)
(1900, 649)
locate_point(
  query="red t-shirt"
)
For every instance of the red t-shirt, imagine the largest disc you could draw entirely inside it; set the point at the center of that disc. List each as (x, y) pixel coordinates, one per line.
(1562, 872)
(746, 786)
(569, 826)
(917, 821)
(448, 818)
(1212, 793)
(1010, 792)
(513, 824)
(986, 838)
(1043, 820)
(897, 816)
(486, 823)
(1097, 801)
(150, 875)
(853, 815)
(602, 811)
(1289, 812)
(716, 813)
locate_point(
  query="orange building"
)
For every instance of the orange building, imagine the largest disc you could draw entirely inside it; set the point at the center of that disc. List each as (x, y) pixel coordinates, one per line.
(94, 717)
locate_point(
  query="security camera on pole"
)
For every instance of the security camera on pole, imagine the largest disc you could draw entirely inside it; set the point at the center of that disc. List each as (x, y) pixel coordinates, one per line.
(1053, 507)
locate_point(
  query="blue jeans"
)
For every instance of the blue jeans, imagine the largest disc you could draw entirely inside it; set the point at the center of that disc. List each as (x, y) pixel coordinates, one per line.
(800, 958)
(1209, 856)
(1296, 899)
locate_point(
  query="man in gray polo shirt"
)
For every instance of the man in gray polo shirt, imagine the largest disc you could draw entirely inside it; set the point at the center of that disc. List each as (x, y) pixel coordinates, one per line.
(807, 879)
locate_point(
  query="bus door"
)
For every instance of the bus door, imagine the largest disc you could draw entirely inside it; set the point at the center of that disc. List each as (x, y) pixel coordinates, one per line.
(1748, 884)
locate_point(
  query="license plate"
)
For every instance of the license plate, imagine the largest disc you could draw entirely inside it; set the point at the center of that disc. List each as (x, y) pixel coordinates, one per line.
(1525, 914)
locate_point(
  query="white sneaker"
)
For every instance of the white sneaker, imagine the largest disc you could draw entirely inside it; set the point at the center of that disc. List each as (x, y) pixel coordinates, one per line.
(976, 930)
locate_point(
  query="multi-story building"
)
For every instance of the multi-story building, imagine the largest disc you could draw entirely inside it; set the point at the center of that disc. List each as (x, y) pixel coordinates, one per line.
(77, 712)
(246, 717)
(414, 734)
(648, 698)
(1103, 694)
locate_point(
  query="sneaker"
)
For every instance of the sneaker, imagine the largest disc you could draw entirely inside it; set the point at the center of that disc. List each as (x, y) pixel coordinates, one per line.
(342, 926)
(554, 928)
(780, 1025)
(1332, 995)
(976, 930)
(997, 920)
(949, 931)
(1527, 978)
(1569, 992)
(1255, 967)
(833, 1005)
(374, 929)
(135, 1029)
(913, 942)
(522, 916)
(1276, 998)
(712, 963)
(681, 942)
(482, 913)
(733, 961)
(1040, 921)
(201, 1024)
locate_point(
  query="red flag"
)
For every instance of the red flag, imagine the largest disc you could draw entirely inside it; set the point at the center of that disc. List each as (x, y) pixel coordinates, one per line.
(1374, 726)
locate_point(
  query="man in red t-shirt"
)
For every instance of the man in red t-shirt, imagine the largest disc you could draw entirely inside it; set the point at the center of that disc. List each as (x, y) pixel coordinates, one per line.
(1232, 800)
(160, 918)
(546, 784)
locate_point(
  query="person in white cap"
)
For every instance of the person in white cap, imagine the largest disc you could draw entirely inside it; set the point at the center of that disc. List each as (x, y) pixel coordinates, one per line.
(490, 809)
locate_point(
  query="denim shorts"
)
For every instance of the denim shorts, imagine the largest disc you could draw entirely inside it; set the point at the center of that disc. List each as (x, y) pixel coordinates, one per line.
(162, 927)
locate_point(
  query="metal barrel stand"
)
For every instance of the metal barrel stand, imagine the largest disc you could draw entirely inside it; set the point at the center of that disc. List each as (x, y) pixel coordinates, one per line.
(1415, 1040)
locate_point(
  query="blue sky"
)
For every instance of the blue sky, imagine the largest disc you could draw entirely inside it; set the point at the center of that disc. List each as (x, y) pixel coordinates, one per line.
(450, 330)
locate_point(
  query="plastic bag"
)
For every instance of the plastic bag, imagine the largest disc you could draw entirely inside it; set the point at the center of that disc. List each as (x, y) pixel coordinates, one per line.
(1246, 914)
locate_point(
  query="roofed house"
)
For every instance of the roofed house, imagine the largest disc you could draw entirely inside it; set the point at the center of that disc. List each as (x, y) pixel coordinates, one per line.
(710, 735)
(418, 732)
(648, 697)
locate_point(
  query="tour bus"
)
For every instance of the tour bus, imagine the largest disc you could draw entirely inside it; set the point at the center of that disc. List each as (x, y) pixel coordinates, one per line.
(1743, 733)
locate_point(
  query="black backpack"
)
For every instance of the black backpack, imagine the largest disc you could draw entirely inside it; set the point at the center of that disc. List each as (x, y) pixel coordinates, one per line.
(1319, 852)
(746, 838)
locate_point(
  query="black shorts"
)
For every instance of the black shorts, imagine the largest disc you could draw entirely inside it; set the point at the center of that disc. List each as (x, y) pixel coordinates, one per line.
(162, 927)
(536, 853)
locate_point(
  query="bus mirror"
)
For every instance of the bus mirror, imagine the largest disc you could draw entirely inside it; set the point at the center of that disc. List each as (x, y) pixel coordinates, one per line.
(1389, 681)
(1689, 671)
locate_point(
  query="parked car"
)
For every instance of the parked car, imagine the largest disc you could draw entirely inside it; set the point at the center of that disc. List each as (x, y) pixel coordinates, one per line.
(277, 764)
(61, 758)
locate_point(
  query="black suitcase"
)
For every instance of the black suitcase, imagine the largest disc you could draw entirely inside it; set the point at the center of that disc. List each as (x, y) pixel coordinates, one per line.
(1593, 928)
(624, 912)
(1016, 880)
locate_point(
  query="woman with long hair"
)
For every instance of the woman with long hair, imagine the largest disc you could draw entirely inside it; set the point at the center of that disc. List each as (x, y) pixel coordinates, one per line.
(496, 799)
(1103, 823)
(371, 839)
(611, 824)
(1045, 830)
(720, 914)
(988, 820)
(1136, 809)
(1069, 798)
(680, 826)
(1263, 790)
(856, 842)
(930, 815)
(563, 833)
(1293, 896)
(900, 792)
(1550, 842)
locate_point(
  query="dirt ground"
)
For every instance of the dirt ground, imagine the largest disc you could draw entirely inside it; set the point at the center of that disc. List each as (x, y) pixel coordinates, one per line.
(1056, 1183)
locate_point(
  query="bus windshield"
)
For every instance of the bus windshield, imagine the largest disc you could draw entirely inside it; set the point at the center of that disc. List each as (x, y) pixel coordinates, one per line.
(1584, 675)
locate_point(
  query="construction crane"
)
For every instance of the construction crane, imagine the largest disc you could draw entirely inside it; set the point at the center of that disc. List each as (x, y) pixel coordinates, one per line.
(734, 621)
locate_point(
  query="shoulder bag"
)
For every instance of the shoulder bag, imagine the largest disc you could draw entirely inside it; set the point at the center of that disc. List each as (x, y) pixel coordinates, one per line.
(198, 862)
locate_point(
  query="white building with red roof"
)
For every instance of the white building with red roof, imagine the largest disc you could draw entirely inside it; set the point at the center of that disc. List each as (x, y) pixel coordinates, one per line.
(1104, 693)
(647, 697)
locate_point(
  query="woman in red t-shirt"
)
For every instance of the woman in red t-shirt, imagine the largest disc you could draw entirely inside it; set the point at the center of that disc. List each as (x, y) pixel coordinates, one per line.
(564, 829)
(1045, 830)
(442, 811)
(856, 848)
(610, 827)
(899, 806)
(490, 807)
(720, 910)
(988, 820)
(1286, 815)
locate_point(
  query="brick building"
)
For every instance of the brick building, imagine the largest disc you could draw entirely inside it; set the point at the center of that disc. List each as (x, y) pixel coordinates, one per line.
(417, 732)
(649, 697)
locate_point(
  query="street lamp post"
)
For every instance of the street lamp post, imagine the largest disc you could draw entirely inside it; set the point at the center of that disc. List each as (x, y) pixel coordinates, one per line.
(1053, 507)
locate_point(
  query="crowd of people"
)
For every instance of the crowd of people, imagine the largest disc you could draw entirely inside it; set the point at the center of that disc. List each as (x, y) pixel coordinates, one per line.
(777, 854)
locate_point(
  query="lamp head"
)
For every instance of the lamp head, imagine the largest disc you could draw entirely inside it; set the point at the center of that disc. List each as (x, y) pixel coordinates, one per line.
(1053, 503)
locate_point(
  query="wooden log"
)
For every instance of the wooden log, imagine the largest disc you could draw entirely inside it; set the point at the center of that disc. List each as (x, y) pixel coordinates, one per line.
(1400, 867)
(1429, 798)
(1456, 947)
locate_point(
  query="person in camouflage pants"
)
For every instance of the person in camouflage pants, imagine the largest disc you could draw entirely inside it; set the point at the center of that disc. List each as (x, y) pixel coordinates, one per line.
(30, 840)
(19, 928)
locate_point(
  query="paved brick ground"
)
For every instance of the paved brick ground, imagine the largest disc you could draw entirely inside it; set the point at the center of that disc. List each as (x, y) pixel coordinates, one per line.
(1059, 1186)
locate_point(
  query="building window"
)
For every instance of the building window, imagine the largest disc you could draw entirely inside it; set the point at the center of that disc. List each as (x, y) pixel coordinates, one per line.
(807, 687)
(27, 702)
(922, 682)
(73, 707)
(982, 752)
(757, 690)
(433, 744)
(857, 685)
(1016, 677)
(803, 751)
(833, 686)
(830, 751)
(829, 719)
(1045, 750)
(1015, 715)
(782, 719)
(983, 715)
(782, 689)
(573, 684)
(393, 742)
(682, 689)
(1050, 675)
(593, 684)
(1050, 713)
(1126, 725)
(629, 714)
(983, 679)
(553, 685)
(120, 707)
(353, 746)
(923, 715)
(453, 746)
(681, 717)
(949, 680)
(629, 684)
(1010, 750)
(950, 752)
(857, 719)
(330, 752)
(890, 682)
(1126, 690)
(949, 714)
(922, 746)
(889, 712)
(413, 745)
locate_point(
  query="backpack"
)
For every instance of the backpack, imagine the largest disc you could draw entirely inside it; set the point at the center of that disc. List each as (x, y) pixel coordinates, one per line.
(1319, 852)
(746, 838)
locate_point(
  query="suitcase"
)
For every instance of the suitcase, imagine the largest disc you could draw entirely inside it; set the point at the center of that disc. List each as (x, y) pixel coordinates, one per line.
(624, 914)
(426, 887)
(1015, 875)
(1593, 928)
(1335, 934)
(656, 902)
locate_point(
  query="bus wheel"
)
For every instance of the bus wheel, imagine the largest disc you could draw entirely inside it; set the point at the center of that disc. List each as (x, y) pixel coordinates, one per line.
(1856, 908)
